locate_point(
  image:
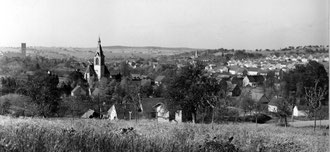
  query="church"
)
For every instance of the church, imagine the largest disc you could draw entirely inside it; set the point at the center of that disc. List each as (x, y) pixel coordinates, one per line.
(97, 69)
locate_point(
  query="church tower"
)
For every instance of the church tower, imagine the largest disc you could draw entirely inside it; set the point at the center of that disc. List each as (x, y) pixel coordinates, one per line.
(99, 61)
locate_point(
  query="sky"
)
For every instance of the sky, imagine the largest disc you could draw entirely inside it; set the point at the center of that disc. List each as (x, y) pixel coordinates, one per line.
(231, 24)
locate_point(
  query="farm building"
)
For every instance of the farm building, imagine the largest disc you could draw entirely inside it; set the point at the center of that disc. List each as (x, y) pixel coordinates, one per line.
(111, 113)
(163, 115)
(273, 103)
(88, 114)
(300, 111)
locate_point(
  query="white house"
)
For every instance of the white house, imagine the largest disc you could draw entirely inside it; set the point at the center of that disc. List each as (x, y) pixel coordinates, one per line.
(163, 115)
(252, 71)
(300, 111)
(272, 105)
(272, 108)
(112, 113)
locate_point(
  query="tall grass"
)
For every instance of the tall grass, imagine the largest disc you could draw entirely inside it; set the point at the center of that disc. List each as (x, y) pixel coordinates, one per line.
(86, 135)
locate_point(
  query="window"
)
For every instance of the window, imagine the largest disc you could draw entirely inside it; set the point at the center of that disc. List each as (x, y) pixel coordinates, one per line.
(97, 61)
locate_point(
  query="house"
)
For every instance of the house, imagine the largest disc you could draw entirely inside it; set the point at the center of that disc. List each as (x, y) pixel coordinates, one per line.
(253, 81)
(124, 111)
(148, 107)
(273, 104)
(159, 79)
(111, 113)
(146, 82)
(224, 75)
(90, 114)
(300, 111)
(78, 91)
(252, 71)
(264, 99)
(237, 80)
(256, 94)
(221, 69)
(236, 91)
(262, 72)
(136, 77)
(163, 115)
(233, 89)
(233, 69)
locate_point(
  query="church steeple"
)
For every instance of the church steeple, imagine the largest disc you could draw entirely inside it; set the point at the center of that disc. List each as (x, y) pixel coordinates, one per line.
(99, 61)
(99, 49)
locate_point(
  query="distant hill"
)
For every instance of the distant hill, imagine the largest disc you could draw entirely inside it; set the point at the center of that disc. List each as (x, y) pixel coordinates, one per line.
(111, 52)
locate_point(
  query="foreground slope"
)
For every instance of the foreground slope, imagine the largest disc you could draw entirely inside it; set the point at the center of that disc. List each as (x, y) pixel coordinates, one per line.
(34, 134)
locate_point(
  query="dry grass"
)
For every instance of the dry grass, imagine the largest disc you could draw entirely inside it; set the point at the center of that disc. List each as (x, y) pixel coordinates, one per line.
(34, 134)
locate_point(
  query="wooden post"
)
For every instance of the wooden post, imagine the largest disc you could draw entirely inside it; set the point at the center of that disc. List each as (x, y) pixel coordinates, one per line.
(212, 118)
(130, 115)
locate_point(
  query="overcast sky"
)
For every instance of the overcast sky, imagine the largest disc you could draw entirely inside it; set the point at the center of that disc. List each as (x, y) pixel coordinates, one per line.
(239, 24)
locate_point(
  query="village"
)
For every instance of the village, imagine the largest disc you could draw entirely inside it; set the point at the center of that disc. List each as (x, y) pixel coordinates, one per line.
(142, 83)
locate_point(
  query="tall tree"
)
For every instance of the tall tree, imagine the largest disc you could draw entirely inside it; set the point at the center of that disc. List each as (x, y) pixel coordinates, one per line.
(314, 96)
(304, 76)
(190, 89)
(44, 92)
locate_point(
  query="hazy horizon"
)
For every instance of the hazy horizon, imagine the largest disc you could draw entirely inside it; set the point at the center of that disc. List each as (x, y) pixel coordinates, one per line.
(236, 24)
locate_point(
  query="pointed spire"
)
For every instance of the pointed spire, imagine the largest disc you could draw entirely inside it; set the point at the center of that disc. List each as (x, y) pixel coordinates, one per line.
(99, 48)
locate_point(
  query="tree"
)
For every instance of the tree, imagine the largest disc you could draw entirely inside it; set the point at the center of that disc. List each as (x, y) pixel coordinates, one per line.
(270, 79)
(314, 96)
(77, 78)
(283, 110)
(9, 85)
(304, 76)
(124, 69)
(247, 104)
(44, 92)
(5, 107)
(189, 90)
(258, 108)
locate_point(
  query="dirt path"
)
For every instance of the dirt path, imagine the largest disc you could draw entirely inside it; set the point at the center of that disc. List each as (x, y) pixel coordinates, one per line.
(308, 123)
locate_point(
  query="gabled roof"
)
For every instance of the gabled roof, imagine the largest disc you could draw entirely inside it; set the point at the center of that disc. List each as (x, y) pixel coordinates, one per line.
(264, 99)
(79, 90)
(275, 100)
(90, 70)
(145, 82)
(123, 111)
(256, 96)
(149, 103)
(106, 71)
(252, 69)
(96, 92)
(256, 78)
(159, 78)
(135, 76)
(231, 86)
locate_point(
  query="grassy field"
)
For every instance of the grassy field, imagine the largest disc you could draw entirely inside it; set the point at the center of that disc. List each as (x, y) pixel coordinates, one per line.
(36, 134)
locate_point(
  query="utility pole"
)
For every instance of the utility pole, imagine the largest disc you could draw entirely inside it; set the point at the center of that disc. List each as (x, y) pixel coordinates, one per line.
(98, 97)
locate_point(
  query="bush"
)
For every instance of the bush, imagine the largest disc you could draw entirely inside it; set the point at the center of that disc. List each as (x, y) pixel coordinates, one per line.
(261, 118)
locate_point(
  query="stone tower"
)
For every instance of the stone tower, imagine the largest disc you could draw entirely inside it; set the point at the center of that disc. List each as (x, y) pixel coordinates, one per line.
(23, 49)
(99, 66)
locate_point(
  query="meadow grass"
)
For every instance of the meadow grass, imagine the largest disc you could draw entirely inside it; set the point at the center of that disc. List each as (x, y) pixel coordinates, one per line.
(87, 135)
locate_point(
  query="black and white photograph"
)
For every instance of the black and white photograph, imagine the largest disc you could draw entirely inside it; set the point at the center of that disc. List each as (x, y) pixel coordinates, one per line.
(164, 76)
